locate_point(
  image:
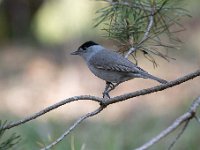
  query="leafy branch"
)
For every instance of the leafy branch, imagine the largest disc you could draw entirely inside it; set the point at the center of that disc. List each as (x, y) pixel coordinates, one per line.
(11, 141)
(142, 26)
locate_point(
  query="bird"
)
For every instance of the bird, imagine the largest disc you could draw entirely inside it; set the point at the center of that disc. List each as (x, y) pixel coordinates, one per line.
(111, 66)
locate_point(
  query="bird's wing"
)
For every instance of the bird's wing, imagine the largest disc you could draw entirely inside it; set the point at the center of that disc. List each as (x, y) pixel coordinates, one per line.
(111, 61)
(108, 60)
(113, 67)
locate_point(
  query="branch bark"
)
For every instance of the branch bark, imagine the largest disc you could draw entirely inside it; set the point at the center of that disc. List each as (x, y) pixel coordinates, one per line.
(153, 89)
(184, 118)
(104, 101)
(81, 119)
(52, 107)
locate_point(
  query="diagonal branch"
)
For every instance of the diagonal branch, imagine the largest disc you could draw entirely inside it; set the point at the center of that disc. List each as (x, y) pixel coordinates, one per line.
(179, 134)
(81, 119)
(197, 119)
(153, 89)
(52, 107)
(104, 101)
(184, 118)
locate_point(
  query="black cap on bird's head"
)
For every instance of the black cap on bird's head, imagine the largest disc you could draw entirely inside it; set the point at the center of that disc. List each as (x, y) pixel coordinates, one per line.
(83, 47)
(87, 44)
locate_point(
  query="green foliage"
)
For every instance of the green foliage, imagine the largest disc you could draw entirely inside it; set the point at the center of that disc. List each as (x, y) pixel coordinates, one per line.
(143, 24)
(10, 141)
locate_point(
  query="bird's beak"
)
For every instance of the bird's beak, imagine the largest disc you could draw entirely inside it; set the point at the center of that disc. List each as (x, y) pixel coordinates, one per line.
(75, 53)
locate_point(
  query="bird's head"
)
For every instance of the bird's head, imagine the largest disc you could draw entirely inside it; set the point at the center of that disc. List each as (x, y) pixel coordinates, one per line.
(87, 49)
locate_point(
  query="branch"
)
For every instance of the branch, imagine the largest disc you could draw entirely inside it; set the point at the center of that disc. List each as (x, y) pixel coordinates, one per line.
(50, 108)
(153, 89)
(81, 119)
(184, 118)
(145, 37)
(104, 101)
(198, 119)
(179, 135)
(149, 9)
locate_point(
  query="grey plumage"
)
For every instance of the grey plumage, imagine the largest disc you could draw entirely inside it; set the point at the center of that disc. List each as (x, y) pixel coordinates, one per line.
(110, 66)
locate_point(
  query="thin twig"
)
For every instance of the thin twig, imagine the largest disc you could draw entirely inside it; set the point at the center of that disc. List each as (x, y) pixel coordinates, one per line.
(197, 119)
(185, 117)
(179, 134)
(82, 118)
(145, 37)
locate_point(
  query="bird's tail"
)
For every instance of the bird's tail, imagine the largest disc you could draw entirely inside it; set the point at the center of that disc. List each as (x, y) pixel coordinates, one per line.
(157, 79)
(144, 74)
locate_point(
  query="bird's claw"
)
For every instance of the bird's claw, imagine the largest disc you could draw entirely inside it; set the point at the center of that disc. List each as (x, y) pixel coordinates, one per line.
(106, 95)
(111, 85)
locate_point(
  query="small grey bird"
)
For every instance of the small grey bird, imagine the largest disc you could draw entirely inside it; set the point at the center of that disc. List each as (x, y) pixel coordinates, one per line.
(111, 66)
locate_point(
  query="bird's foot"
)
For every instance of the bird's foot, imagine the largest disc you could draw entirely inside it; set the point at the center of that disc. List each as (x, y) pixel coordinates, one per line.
(111, 85)
(106, 94)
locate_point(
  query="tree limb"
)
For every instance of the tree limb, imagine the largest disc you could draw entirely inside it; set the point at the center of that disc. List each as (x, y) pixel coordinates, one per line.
(104, 101)
(198, 119)
(184, 118)
(52, 107)
(81, 119)
(153, 89)
(179, 135)
(149, 9)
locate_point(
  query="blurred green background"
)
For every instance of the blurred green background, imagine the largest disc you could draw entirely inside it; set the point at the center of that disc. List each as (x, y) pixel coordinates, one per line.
(37, 70)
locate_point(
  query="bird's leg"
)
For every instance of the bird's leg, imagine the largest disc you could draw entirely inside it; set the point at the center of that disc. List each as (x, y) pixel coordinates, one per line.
(107, 90)
(109, 87)
(113, 86)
